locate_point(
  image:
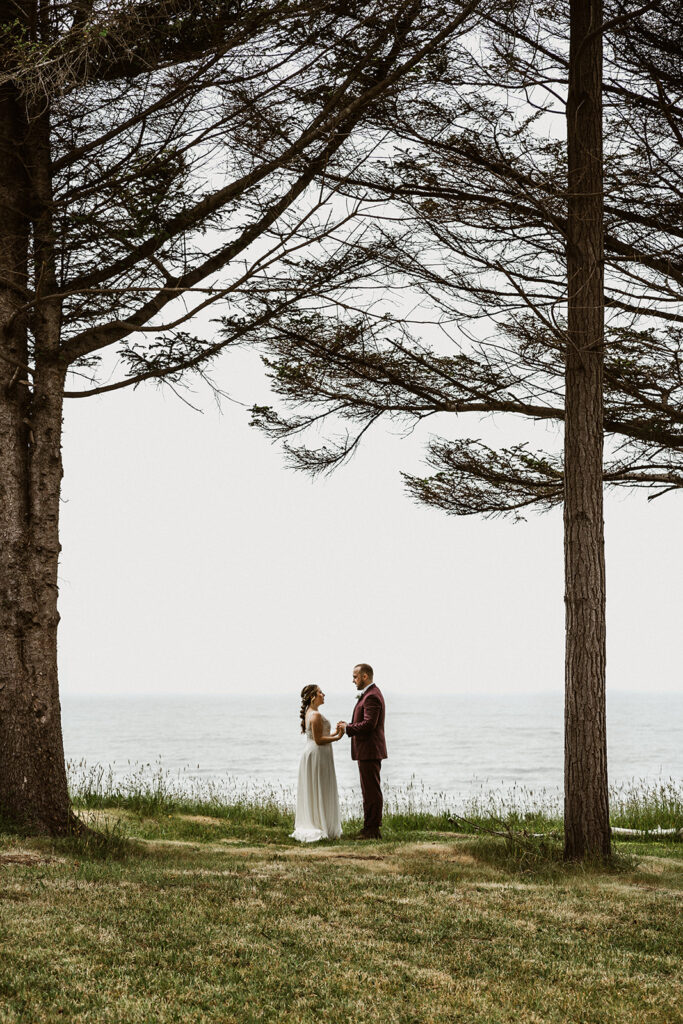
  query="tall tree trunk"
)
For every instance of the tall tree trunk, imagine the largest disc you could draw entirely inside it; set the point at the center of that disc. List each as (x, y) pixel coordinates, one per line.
(33, 789)
(586, 813)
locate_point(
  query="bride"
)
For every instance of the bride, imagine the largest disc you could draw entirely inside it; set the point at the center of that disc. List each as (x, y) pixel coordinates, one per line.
(317, 800)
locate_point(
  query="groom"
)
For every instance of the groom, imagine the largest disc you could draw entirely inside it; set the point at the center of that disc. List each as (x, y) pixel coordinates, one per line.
(366, 730)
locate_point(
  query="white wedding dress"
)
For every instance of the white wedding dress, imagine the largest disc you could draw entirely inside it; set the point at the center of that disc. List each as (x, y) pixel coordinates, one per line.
(317, 798)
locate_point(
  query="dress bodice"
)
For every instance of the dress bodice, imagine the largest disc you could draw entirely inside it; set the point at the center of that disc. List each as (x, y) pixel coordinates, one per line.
(327, 728)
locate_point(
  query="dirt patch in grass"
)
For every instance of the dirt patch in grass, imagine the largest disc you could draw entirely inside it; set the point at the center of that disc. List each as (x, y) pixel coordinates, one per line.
(164, 844)
(201, 819)
(99, 818)
(357, 856)
(27, 857)
(334, 852)
(444, 851)
(659, 865)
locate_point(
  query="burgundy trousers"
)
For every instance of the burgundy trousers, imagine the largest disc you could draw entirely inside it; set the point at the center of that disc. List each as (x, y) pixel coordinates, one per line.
(373, 801)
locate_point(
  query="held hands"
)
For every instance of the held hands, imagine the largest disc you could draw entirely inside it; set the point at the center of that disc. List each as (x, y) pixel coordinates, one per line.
(341, 728)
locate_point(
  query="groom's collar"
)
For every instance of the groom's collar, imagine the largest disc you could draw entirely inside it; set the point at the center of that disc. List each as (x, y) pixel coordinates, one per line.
(365, 689)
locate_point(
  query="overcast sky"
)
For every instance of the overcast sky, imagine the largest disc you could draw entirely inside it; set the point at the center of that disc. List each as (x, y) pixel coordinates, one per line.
(194, 561)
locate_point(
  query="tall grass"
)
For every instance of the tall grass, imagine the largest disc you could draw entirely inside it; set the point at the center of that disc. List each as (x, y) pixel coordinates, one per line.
(514, 809)
(151, 790)
(647, 805)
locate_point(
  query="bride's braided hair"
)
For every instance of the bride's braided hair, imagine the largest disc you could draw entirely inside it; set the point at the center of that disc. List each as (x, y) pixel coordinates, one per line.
(307, 695)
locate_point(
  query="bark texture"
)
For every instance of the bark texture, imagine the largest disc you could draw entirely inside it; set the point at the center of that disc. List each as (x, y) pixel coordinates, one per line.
(586, 822)
(33, 787)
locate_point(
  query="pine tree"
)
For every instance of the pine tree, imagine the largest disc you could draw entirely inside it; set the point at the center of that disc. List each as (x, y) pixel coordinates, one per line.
(505, 221)
(151, 151)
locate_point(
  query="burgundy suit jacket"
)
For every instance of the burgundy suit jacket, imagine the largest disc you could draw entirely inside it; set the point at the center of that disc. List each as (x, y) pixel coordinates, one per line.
(366, 727)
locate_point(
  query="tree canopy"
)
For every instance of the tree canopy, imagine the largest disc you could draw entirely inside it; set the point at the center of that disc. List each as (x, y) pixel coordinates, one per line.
(183, 144)
(156, 158)
(477, 170)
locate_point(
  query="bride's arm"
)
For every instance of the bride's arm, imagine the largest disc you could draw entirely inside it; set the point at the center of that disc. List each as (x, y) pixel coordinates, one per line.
(317, 730)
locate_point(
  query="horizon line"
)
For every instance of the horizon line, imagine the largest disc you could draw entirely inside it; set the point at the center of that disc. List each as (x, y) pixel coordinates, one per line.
(403, 692)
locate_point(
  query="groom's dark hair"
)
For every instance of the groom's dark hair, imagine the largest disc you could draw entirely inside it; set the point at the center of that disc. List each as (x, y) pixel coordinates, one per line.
(366, 668)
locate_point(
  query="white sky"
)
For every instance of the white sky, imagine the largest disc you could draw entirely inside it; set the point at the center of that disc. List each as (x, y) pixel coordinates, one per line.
(194, 561)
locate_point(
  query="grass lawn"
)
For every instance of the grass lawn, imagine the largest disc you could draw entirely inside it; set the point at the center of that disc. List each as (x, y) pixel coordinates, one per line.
(190, 917)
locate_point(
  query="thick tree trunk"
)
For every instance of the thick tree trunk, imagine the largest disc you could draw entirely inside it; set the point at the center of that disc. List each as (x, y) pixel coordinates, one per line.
(33, 789)
(586, 814)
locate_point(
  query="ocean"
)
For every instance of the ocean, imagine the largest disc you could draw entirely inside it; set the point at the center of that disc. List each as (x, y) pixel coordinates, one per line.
(455, 745)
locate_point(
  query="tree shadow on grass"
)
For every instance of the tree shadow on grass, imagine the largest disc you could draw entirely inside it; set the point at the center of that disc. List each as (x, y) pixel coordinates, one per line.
(542, 858)
(99, 837)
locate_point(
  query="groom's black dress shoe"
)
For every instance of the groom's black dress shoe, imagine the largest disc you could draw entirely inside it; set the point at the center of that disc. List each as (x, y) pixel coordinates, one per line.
(366, 835)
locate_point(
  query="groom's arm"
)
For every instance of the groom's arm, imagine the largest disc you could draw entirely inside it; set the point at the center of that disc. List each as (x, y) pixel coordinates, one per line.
(372, 709)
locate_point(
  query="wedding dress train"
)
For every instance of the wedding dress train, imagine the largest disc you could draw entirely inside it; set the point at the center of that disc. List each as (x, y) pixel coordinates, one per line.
(317, 798)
